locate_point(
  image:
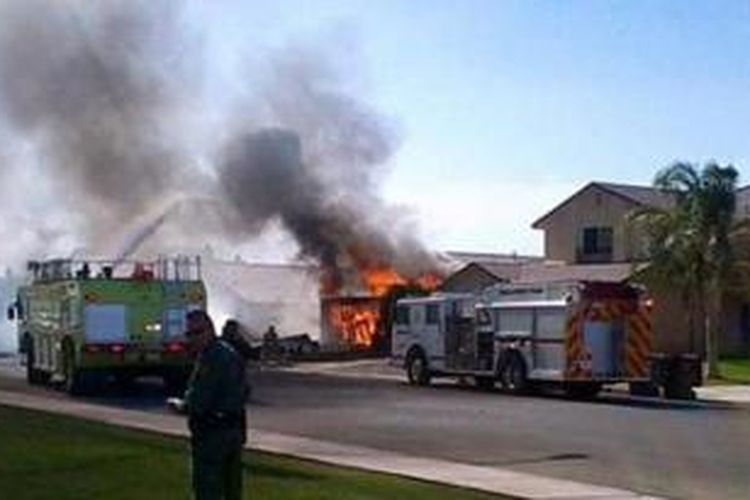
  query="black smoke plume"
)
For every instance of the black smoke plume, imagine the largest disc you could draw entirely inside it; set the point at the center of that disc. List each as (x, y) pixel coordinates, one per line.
(97, 87)
(317, 172)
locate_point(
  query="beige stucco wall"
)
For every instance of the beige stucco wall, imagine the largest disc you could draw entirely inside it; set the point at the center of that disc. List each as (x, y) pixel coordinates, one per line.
(592, 207)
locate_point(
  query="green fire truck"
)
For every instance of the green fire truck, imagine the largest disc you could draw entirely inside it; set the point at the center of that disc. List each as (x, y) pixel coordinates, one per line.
(80, 322)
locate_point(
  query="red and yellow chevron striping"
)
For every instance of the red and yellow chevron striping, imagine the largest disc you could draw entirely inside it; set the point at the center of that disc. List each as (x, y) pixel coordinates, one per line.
(638, 337)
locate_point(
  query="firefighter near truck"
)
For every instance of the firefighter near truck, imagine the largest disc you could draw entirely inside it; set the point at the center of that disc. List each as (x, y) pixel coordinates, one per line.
(82, 322)
(576, 336)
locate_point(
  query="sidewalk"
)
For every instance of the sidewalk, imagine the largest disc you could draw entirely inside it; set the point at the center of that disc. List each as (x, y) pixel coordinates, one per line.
(736, 394)
(489, 479)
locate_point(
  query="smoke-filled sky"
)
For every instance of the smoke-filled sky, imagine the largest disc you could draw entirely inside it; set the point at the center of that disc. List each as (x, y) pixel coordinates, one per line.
(104, 102)
(503, 108)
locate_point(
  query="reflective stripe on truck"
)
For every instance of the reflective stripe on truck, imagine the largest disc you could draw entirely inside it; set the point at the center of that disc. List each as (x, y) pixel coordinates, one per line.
(638, 337)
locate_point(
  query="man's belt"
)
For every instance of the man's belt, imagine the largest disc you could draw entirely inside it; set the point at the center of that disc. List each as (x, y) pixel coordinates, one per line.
(219, 420)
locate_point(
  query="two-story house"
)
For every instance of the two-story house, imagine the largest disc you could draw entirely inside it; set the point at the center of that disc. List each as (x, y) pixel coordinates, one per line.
(589, 227)
(589, 232)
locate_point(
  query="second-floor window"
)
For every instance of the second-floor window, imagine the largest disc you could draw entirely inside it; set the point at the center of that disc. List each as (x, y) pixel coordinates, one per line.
(596, 244)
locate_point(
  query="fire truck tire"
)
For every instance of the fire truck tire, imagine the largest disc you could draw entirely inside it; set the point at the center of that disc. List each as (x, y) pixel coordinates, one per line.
(32, 374)
(485, 383)
(514, 374)
(583, 390)
(74, 379)
(417, 369)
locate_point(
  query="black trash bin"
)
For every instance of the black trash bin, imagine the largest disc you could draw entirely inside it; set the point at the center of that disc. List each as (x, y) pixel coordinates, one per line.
(684, 372)
(691, 366)
(659, 368)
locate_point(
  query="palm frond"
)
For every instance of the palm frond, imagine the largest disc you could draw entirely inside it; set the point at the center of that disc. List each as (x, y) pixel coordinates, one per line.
(680, 178)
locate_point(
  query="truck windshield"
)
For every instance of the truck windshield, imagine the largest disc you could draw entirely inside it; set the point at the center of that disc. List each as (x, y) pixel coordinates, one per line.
(402, 315)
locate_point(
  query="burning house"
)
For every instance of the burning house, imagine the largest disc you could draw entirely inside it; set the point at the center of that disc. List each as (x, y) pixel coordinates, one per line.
(358, 319)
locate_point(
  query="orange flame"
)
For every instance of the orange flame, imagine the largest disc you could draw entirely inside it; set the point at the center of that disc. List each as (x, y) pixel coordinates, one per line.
(429, 282)
(380, 281)
(357, 324)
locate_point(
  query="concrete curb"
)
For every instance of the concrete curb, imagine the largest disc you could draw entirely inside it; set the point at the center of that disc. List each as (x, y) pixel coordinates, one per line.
(488, 479)
(700, 402)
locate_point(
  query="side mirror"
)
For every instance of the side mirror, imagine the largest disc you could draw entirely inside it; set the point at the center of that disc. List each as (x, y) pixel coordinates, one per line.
(11, 313)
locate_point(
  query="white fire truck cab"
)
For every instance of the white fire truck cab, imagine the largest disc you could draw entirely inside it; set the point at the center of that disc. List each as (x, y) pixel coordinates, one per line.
(579, 336)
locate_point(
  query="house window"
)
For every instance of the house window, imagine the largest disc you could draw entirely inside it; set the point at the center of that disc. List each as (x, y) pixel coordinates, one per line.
(402, 315)
(596, 245)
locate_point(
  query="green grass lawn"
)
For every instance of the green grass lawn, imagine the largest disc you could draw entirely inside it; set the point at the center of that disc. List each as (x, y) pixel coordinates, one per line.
(51, 457)
(735, 370)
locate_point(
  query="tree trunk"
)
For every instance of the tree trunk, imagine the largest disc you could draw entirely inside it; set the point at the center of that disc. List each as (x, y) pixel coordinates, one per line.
(713, 330)
(703, 325)
(689, 301)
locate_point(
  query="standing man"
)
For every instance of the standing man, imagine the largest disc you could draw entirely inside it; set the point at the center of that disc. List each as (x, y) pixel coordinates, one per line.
(215, 405)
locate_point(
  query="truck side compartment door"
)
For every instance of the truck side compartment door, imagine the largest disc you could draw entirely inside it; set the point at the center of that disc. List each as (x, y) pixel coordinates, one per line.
(460, 338)
(401, 337)
(432, 335)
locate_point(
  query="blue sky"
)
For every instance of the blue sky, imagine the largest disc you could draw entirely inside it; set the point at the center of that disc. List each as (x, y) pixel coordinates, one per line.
(506, 107)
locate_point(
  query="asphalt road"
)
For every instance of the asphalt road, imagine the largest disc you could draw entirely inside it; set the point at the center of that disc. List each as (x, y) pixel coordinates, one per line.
(666, 450)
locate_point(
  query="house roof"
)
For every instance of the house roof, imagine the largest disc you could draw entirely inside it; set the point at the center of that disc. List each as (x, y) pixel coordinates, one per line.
(643, 195)
(556, 272)
(508, 271)
(637, 195)
(456, 261)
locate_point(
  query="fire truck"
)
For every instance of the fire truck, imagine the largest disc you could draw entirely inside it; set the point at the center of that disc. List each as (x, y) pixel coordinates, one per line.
(80, 322)
(578, 336)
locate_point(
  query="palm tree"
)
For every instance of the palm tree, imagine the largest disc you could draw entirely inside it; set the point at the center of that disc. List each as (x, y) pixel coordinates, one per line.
(692, 243)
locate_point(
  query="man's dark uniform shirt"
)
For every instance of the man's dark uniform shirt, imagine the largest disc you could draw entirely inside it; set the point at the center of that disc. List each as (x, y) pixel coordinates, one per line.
(215, 403)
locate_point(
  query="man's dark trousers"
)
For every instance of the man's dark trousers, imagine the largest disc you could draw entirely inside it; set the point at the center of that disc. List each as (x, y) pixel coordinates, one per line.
(217, 465)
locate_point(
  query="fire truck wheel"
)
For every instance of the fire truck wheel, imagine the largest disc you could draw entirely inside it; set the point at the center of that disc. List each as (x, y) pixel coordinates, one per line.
(32, 374)
(513, 376)
(485, 383)
(73, 383)
(583, 390)
(416, 368)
